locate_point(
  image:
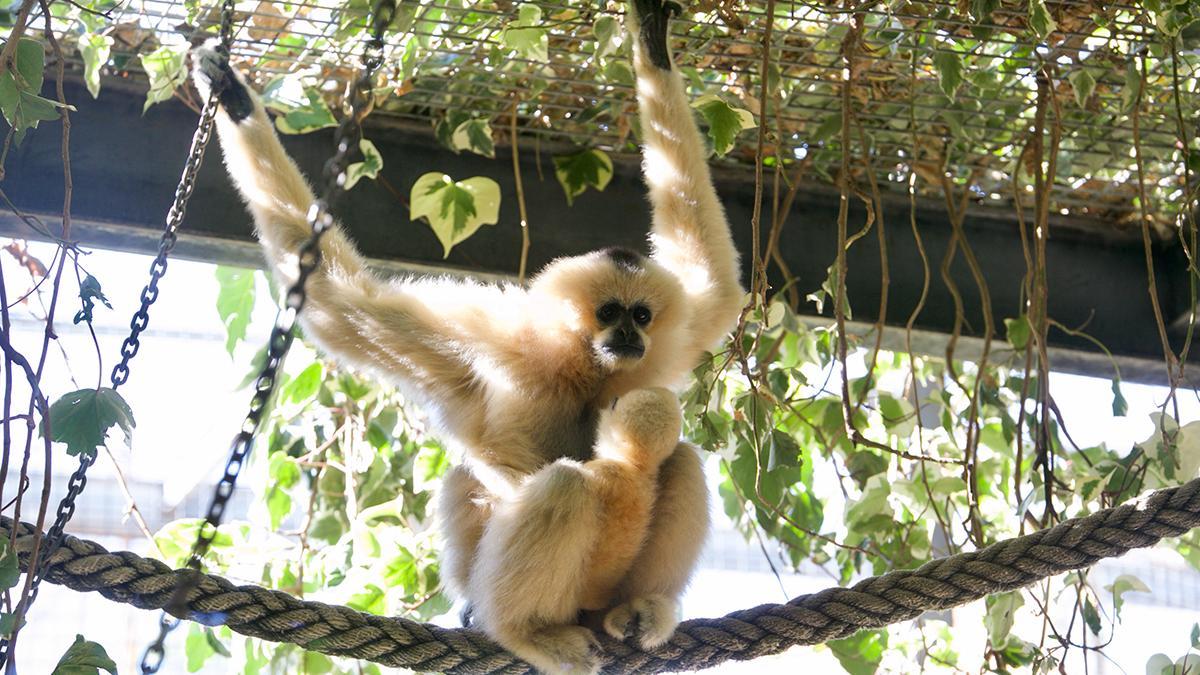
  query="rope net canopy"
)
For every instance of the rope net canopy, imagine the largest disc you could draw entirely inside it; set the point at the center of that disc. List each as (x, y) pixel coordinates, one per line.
(956, 81)
(699, 643)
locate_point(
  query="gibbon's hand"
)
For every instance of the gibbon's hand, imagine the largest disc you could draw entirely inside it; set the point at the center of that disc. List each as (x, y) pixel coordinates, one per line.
(653, 17)
(211, 70)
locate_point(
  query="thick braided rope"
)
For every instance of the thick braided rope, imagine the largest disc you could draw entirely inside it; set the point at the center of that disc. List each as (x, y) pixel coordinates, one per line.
(700, 643)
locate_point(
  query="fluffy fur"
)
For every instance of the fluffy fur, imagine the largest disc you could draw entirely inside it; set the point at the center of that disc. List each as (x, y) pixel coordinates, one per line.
(575, 493)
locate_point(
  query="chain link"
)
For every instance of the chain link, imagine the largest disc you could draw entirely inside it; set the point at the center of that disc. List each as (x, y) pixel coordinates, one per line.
(141, 318)
(320, 221)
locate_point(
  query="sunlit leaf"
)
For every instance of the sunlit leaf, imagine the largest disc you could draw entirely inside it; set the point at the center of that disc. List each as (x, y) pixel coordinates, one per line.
(949, 66)
(526, 35)
(82, 419)
(94, 49)
(303, 110)
(455, 209)
(1001, 610)
(1119, 405)
(1083, 83)
(10, 571)
(166, 72)
(607, 30)
(1123, 584)
(370, 167)
(1019, 331)
(20, 101)
(235, 303)
(724, 121)
(476, 136)
(861, 653)
(1039, 18)
(581, 170)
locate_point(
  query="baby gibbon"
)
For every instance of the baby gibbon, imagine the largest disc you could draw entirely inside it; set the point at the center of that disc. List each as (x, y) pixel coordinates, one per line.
(575, 492)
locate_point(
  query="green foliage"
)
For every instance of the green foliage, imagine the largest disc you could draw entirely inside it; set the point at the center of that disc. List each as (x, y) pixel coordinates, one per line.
(370, 167)
(10, 571)
(235, 302)
(724, 121)
(579, 171)
(84, 658)
(20, 87)
(89, 293)
(526, 36)
(166, 71)
(95, 50)
(861, 653)
(454, 209)
(301, 107)
(82, 419)
(474, 135)
(1123, 584)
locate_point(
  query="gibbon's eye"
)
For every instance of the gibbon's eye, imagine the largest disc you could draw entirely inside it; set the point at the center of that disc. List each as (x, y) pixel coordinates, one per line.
(609, 312)
(641, 315)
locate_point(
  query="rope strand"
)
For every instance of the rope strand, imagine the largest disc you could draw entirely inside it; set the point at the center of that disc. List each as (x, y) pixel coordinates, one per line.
(699, 643)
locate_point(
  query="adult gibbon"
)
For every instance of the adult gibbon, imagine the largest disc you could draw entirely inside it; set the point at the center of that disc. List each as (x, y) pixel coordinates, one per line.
(576, 492)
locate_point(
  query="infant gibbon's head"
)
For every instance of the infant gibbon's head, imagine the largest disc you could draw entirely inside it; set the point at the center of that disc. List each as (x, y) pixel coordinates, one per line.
(627, 305)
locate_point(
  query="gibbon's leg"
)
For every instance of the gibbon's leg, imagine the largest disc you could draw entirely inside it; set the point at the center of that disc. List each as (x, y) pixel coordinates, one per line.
(690, 235)
(462, 512)
(530, 569)
(422, 332)
(568, 537)
(678, 529)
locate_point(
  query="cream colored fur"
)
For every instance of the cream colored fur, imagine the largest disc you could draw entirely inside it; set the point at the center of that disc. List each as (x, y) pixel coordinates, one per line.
(565, 502)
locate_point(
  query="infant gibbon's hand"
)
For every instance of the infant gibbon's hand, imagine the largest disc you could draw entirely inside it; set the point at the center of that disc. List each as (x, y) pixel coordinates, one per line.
(210, 70)
(653, 17)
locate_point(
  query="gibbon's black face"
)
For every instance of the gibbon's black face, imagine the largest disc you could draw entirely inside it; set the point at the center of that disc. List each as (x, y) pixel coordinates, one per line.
(623, 326)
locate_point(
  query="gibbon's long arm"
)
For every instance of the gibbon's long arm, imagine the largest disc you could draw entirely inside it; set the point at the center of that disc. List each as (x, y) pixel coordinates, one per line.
(423, 332)
(690, 233)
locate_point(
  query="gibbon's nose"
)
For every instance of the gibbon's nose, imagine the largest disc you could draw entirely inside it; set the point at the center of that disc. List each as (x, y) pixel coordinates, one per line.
(628, 335)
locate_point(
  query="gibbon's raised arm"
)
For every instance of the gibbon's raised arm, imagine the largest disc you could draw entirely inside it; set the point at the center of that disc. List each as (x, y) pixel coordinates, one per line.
(690, 233)
(423, 332)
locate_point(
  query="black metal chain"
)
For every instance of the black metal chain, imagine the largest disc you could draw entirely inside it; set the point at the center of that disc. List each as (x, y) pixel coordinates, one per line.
(141, 318)
(282, 335)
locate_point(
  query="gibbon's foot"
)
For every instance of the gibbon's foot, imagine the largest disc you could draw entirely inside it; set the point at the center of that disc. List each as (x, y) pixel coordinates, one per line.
(563, 650)
(646, 422)
(211, 70)
(653, 17)
(650, 620)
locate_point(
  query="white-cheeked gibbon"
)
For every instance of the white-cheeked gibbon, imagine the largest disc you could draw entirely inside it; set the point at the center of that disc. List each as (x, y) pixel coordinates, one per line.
(575, 493)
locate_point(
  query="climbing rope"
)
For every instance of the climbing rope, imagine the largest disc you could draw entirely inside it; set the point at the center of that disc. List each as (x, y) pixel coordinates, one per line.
(699, 643)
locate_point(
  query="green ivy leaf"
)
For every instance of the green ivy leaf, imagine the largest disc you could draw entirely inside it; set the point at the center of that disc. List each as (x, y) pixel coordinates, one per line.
(370, 167)
(1119, 405)
(861, 653)
(20, 103)
(474, 135)
(84, 658)
(81, 419)
(1019, 331)
(1196, 636)
(284, 474)
(303, 110)
(8, 623)
(89, 293)
(578, 171)
(949, 67)
(165, 69)
(455, 209)
(1083, 83)
(10, 571)
(1091, 616)
(724, 121)
(620, 72)
(95, 50)
(526, 35)
(1001, 610)
(1040, 20)
(305, 385)
(981, 11)
(1122, 585)
(607, 30)
(235, 303)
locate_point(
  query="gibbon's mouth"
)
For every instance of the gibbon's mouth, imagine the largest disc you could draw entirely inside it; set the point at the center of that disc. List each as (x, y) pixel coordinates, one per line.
(625, 350)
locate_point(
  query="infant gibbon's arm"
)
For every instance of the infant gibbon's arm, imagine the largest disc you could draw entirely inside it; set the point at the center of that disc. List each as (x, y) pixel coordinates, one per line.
(690, 233)
(422, 332)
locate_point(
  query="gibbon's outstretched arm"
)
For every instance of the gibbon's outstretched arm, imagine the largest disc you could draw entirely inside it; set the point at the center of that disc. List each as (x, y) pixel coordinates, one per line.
(690, 234)
(425, 332)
